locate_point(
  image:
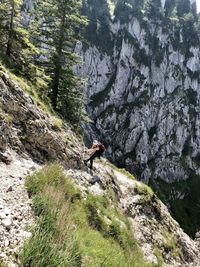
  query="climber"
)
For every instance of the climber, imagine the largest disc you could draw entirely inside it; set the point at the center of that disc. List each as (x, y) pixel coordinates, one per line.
(97, 151)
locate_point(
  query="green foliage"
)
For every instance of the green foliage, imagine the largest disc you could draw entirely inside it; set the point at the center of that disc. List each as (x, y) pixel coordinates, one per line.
(57, 124)
(146, 192)
(183, 7)
(152, 9)
(36, 89)
(105, 217)
(184, 210)
(14, 38)
(179, 20)
(184, 20)
(170, 244)
(111, 6)
(59, 33)
(159, 257)
(197, 26)
(52, 175)
(45, 59)
(71, 231)
(122, 10)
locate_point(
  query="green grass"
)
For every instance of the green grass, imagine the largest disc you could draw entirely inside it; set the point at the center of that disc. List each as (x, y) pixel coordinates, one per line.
(145, 191)
(37, 89)
(170, 244)
(53, 242)
(159, 257)
(57, 123)
(72, 231)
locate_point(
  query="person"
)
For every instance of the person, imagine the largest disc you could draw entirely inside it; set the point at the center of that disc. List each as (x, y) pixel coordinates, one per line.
(97, 151)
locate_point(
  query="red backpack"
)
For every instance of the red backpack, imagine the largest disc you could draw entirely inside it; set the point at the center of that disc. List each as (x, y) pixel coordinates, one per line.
(102, 148)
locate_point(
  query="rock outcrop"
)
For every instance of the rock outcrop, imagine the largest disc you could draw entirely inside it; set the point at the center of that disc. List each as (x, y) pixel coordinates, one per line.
(26, 129)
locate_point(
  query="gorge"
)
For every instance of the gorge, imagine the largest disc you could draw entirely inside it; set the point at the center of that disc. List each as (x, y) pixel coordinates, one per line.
(142, 65)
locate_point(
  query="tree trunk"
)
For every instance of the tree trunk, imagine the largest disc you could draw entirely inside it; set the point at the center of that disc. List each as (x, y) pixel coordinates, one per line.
(10, 34)
(56, 86)
(58, 67)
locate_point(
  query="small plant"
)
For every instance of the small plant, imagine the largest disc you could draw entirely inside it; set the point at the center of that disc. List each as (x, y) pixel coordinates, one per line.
(8, 118)
(145, 191)
(170, 244)
(159, 257)
(57, 124)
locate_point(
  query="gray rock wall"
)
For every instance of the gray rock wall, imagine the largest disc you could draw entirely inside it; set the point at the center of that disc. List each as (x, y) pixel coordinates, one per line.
(144, 101)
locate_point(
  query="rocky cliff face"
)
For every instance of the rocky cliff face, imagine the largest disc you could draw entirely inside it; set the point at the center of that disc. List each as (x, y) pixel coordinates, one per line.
(29, 134)
(27, 130)
(143, 95)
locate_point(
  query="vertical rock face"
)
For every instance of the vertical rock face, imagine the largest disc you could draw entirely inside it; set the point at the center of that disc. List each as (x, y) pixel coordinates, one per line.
(144, 99)
(28, 5)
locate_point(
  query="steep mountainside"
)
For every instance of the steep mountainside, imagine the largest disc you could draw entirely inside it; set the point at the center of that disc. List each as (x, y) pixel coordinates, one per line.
(143, 66)
(29, 134)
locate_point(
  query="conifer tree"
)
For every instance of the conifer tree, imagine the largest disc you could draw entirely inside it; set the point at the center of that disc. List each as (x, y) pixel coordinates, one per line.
(14, 39)
(58, 24)
(153, 9)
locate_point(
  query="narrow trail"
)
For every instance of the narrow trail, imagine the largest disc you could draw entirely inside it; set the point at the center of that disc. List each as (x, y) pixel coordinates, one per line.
(16, 214)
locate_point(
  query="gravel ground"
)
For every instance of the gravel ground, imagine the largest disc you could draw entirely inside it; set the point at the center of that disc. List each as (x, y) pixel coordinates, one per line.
(15, 208)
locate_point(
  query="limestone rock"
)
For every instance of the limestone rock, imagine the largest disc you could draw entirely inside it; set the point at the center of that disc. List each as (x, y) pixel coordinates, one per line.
(5, 157)
(7, 223)
(145, 104)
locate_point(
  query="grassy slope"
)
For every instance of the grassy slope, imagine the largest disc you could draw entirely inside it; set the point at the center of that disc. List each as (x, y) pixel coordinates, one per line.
(73, 231)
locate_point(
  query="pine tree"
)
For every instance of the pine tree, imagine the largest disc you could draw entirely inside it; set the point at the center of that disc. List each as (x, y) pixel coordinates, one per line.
(14, 39)
(153, 9)
(56, 27)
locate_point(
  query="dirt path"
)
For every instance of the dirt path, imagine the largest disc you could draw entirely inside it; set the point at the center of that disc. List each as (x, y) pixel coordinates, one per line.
(15, 208)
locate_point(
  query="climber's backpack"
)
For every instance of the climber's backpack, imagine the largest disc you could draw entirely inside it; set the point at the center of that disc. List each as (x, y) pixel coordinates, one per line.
(102, 148)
